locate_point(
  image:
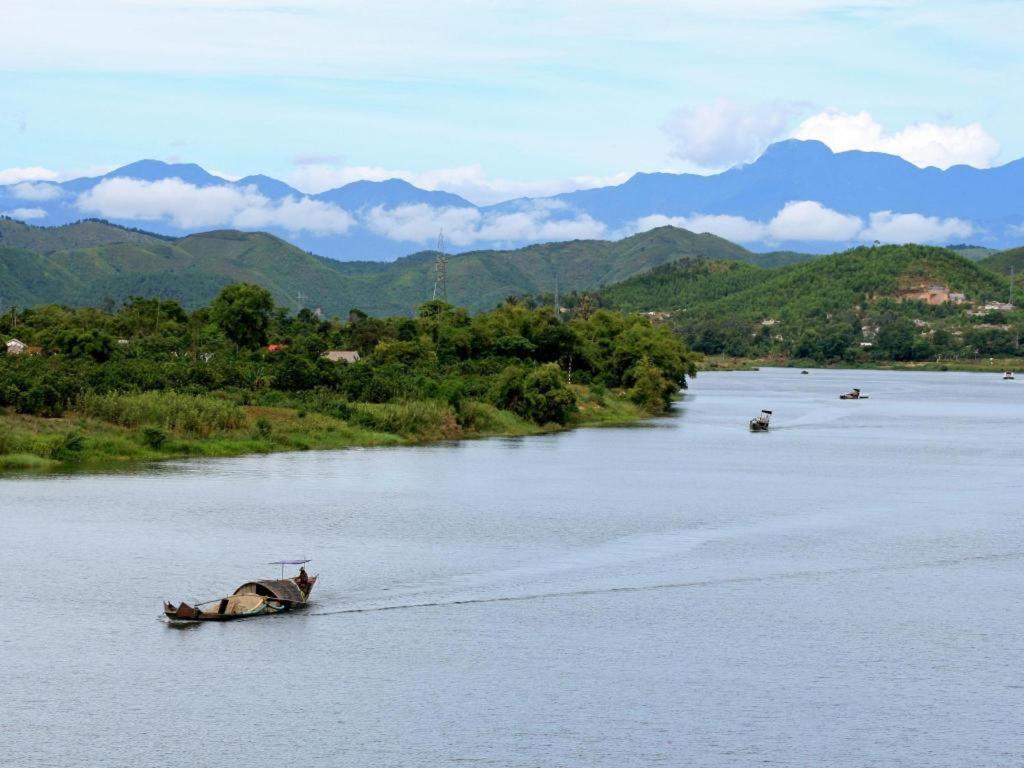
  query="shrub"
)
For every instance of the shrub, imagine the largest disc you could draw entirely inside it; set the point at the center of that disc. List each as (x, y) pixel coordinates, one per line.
(192, 415)
(154, 437)
(541, 395)
(68, 447)
(421, 419)
(651, 390)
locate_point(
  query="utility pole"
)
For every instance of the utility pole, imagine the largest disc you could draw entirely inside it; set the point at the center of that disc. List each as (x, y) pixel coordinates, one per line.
(440, 270)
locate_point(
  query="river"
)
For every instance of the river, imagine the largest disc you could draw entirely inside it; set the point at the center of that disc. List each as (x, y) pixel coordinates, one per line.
(844, 590)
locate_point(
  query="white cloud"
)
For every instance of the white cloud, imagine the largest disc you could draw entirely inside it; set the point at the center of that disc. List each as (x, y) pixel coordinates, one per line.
(32, 173)
(28, 190)
(26, 214)
(724, 133)
(735, 228)
(923, 144)
(296, 214)
(890, 227)
(469, 181)
(810, 220)
(190, 207)
(464, 226)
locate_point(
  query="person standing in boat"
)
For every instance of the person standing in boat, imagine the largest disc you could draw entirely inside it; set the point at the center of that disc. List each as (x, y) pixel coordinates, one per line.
(303, 579)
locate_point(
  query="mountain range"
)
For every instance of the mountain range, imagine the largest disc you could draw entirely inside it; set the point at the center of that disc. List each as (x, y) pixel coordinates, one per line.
(92, 263)
(799, 195)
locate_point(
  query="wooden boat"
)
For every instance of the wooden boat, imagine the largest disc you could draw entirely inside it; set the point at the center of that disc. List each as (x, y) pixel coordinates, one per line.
(760, 423)
(1008, 376)
(254, 598)
(853, 394)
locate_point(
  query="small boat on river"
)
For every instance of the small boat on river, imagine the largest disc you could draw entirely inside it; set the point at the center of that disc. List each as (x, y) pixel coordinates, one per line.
(853, 394)
(760, 423)
(1008, 376)
(254, 598)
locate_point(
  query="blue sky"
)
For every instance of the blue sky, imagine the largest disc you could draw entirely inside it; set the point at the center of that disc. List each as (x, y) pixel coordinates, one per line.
(497, 99)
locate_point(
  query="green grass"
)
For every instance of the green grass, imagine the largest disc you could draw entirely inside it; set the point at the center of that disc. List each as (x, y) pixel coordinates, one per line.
(116, 429)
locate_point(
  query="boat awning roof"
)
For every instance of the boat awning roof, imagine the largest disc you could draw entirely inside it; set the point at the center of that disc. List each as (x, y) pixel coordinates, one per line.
(289, 562)
(283, 589)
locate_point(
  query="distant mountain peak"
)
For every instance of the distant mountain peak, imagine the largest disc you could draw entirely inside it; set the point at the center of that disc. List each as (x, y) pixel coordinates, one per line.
(157, 170)
(795, 151)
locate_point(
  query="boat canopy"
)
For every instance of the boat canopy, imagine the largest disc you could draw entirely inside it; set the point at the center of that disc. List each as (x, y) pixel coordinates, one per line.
(282, 589)
(289, 562)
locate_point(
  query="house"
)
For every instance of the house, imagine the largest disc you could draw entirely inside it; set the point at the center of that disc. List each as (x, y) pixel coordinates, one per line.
(16, 347)
(657, 317)
(341, 356)
(998, 306)
(957, 298)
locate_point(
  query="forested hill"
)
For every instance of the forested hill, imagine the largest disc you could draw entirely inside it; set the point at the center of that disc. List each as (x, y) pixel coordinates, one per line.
(1005, 261)
(830, 308)
(828, 284)
(93, 263)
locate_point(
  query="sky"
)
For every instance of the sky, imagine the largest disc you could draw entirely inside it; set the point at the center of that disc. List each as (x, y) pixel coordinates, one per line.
(495, 100)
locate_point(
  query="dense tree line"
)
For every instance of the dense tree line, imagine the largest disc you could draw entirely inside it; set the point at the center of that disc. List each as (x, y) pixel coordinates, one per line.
(525, 360)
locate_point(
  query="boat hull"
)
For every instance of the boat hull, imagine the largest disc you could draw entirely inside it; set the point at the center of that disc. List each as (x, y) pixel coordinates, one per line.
(244, 604)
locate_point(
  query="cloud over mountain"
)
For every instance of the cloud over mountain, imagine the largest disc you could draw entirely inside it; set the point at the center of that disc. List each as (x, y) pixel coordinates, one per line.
(466, 226)
(922, 144)
(724, 133)
(188, 206)
(810, 221)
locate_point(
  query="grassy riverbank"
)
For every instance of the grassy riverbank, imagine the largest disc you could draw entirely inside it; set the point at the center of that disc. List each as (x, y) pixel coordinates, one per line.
(980, 365)
(130, 433)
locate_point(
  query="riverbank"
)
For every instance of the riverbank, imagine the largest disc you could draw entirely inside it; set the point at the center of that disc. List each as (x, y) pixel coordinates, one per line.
(981, 365)
(77, 440)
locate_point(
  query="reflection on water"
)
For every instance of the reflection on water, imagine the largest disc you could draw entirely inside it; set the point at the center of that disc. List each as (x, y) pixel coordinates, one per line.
(842, 590)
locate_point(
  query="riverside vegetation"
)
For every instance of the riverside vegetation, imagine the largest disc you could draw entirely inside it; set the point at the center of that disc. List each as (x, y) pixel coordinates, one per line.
(242, 375)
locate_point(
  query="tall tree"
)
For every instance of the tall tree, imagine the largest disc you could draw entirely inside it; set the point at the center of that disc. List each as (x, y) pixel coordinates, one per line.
(242, 311)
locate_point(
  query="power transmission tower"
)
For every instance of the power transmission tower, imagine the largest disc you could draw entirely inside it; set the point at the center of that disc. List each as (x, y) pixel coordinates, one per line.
(441, 270)
(300, 297)
(558, 314)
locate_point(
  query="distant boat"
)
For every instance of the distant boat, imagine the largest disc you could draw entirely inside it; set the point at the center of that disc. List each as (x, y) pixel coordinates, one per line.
(853, 394)
(803, 373)
(254, 598)
(1008, 375)
(760, 423)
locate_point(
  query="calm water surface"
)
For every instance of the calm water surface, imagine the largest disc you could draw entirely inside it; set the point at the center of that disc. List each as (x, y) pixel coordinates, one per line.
(845, 590)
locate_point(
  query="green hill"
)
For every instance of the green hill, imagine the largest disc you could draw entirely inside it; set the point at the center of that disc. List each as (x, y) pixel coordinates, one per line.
(81, 234)
(827, 284)
(1004, 262)
(833, 307)
(92, 263)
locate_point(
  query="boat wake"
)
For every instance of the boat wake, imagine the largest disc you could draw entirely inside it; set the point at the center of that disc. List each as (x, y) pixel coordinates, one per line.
(694, 584)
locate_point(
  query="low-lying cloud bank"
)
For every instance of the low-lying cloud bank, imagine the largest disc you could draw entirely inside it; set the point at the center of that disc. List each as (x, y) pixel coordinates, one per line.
(187, 206)
(810, 221)
(465, 226)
